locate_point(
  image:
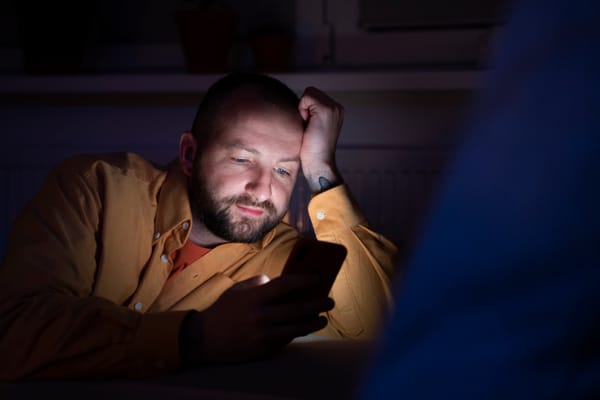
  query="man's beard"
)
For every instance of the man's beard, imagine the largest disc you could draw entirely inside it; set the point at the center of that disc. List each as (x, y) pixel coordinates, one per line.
(215, 213)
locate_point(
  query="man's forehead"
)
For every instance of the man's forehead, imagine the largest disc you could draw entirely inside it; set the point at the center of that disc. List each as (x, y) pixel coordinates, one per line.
(249, 99)
(256, 114)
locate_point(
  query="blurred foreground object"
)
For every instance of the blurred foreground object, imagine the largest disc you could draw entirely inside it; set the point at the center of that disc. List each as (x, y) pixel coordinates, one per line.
(501, 296)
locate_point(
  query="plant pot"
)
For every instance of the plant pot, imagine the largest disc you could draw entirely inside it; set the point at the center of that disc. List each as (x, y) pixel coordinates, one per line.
(207, 37)
(272, 52)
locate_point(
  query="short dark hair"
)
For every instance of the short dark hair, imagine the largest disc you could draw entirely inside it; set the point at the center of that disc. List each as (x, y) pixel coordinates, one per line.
(266, 88)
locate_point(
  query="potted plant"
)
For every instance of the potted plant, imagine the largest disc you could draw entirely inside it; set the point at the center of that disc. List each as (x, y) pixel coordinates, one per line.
(207, 31)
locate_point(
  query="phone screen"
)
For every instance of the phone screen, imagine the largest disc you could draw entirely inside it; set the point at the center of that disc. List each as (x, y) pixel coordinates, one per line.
(311, 256)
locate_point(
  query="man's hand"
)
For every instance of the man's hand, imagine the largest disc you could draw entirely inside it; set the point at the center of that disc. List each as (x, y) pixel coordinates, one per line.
(253, 319)
(323, 117)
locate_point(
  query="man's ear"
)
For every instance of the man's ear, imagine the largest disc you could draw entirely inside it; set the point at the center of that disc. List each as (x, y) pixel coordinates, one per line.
(187, 152)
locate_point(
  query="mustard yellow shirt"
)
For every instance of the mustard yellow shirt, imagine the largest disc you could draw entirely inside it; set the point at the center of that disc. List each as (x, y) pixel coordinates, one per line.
(82, 286)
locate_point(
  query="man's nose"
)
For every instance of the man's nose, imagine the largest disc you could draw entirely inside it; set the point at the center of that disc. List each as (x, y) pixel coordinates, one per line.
(259, 184)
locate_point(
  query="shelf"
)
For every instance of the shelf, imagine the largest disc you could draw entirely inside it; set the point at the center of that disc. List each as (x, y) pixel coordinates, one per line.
(185, 83)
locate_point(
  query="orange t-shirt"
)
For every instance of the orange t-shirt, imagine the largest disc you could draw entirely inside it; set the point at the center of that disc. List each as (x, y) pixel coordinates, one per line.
(183, 257)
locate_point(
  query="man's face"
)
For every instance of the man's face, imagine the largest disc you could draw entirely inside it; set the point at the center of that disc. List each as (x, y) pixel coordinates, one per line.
(242, 182)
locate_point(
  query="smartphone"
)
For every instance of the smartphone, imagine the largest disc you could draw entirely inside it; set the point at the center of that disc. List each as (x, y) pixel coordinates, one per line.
(317, 257)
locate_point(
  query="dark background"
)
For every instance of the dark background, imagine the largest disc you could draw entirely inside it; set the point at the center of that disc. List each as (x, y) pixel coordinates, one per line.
(95, 76)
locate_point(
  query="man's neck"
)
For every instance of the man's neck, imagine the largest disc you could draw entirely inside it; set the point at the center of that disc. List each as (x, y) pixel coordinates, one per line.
(201, 236)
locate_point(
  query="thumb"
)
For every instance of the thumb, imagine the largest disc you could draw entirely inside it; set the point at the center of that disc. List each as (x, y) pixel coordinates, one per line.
(251, 282)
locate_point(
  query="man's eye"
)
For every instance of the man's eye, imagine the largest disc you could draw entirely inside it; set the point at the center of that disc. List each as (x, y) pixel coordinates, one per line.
(239, 160)
(282, 172)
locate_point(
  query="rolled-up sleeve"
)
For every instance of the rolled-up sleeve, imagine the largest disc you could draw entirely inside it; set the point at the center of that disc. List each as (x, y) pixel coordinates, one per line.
(362, 289)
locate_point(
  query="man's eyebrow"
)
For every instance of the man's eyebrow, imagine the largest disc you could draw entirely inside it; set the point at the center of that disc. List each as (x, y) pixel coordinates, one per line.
(242, 146)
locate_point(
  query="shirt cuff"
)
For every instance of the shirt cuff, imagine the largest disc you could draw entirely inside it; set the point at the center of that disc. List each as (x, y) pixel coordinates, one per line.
(333, 210)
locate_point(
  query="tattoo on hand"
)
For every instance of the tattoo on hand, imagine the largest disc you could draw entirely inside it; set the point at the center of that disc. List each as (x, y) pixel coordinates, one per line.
(324, 183)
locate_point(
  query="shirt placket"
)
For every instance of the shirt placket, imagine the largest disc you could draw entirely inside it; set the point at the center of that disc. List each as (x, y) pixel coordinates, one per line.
(158, 268)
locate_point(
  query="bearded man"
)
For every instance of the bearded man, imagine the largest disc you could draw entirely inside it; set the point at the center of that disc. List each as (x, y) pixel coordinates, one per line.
(120, 267)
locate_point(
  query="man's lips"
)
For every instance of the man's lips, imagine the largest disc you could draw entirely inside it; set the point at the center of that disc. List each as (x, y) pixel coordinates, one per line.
(253, 211)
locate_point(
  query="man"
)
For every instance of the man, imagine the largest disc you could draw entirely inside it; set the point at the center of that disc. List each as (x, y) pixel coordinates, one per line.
(120, 267)
(509, 258)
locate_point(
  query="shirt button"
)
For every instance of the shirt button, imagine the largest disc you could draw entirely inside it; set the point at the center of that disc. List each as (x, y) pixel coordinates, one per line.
(164, 258)
(156, 235)
(185, 225)
(138, 306)
(320, 215)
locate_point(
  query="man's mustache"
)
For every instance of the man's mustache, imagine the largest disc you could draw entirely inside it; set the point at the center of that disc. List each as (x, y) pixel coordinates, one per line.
(246, 200)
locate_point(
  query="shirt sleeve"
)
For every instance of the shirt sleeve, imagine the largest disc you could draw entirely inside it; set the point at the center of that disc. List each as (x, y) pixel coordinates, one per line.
(51, 324)
(361, 291)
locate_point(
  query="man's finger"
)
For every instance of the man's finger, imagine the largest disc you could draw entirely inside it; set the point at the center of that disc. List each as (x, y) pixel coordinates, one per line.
(257, 280)
(295, 311)
(287, 285)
